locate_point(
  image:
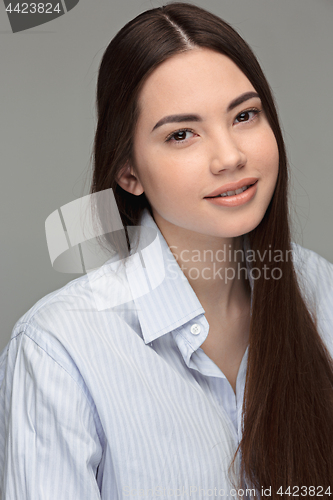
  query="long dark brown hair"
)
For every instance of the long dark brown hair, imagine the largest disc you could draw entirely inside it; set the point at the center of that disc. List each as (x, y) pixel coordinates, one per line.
(288, 405)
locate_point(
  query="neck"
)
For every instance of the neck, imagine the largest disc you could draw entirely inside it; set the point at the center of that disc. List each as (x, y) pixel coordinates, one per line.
(213, 266)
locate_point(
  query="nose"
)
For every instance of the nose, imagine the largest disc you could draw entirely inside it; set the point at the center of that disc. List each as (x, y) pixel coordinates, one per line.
(226, 153)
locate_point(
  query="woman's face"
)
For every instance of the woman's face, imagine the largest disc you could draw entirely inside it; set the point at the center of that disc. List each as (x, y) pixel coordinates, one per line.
(182, 161)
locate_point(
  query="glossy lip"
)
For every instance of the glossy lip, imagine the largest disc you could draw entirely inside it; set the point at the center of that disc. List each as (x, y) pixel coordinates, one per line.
(237, 199)
(232, 186)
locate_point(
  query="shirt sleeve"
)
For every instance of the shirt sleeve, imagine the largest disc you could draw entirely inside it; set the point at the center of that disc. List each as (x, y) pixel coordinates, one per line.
(49, 446)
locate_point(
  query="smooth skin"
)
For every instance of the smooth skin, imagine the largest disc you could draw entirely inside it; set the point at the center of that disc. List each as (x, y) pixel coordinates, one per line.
(177, 169)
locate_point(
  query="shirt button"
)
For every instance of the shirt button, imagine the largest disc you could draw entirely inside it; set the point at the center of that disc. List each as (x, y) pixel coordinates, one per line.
(195, 329)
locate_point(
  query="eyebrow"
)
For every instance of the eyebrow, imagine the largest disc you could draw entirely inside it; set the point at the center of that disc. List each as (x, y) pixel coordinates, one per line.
(196, 118)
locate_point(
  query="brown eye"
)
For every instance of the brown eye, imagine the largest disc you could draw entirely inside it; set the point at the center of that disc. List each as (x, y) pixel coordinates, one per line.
(244, 116)
(180, 136)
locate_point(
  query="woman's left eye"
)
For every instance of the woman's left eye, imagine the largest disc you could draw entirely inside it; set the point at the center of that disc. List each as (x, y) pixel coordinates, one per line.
(248, 115)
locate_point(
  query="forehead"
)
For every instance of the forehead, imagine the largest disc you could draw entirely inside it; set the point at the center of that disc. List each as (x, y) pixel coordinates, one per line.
(195, 77)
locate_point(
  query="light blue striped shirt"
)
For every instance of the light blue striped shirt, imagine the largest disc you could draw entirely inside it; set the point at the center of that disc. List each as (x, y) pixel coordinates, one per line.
(100, 402)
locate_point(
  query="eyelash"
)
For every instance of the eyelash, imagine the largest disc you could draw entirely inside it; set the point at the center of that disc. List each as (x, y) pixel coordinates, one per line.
(170, 136)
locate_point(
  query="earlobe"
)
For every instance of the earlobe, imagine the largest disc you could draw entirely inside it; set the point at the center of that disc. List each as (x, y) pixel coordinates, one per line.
(128, 180)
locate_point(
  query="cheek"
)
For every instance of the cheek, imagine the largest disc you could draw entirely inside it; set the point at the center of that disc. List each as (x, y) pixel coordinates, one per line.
(156, 179)
(162, 173)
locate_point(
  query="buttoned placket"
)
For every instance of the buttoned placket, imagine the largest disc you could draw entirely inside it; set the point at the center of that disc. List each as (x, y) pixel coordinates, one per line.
(189, 338)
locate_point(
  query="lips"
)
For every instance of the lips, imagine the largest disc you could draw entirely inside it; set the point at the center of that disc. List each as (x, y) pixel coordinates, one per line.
(232, 186)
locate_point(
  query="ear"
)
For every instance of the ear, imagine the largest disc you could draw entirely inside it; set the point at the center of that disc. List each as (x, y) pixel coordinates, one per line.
(129, 181)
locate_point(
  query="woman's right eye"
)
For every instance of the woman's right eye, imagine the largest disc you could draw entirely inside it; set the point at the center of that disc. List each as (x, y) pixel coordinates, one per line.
(179, 136)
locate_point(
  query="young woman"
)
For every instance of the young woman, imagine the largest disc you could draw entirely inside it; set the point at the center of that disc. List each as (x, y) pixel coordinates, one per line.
(213, 376)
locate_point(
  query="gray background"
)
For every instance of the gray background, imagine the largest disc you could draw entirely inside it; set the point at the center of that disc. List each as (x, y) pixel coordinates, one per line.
(47, 102)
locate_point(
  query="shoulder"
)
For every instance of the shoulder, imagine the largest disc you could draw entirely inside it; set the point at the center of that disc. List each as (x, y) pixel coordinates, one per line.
(76, 322)
(315, 277)
(55, 306)
(42, 325)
